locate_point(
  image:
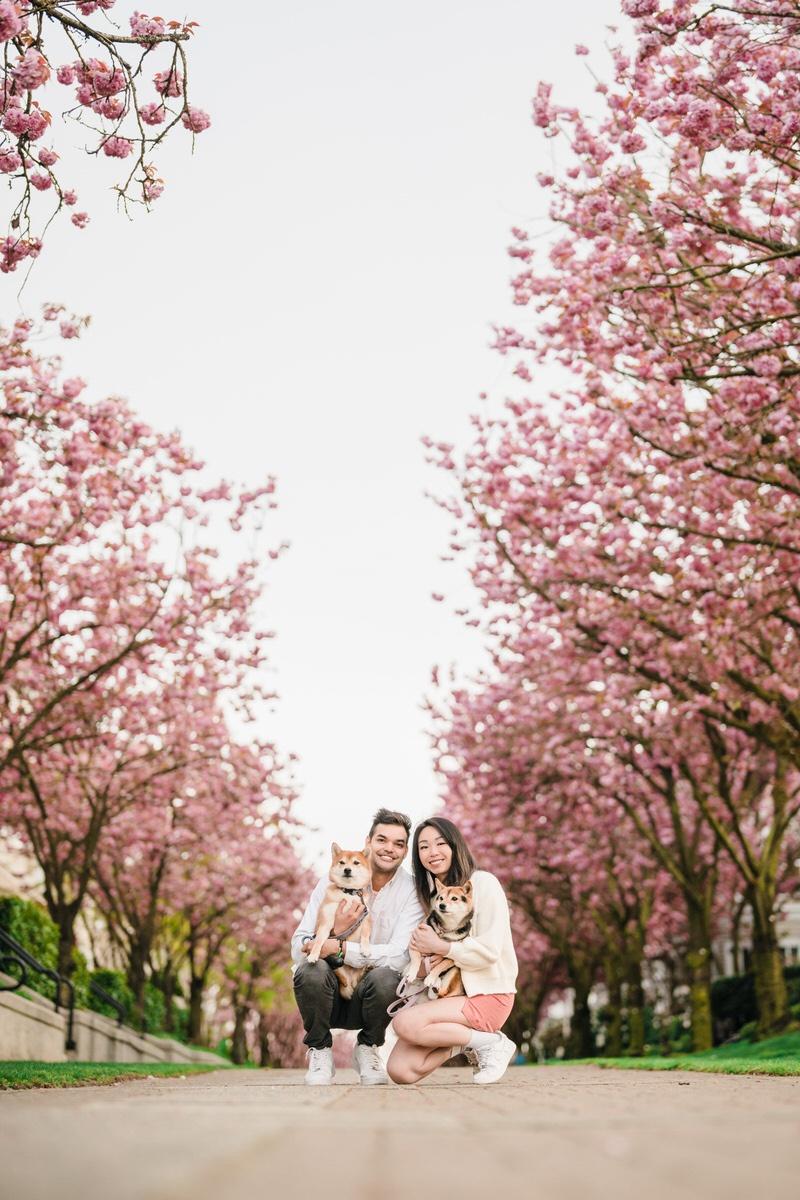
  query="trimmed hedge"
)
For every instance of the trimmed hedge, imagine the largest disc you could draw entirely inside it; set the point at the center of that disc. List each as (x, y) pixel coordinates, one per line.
(733, 1001)
(116, 985)
(30, 925)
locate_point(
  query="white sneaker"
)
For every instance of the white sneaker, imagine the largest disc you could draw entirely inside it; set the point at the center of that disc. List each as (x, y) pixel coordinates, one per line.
(493, 1060)
(367, 1061)
(320, 1067)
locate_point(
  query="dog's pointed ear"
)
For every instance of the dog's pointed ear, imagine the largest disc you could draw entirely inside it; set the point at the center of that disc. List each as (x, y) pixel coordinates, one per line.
(439, 885)
(335, 849)
(468, 887)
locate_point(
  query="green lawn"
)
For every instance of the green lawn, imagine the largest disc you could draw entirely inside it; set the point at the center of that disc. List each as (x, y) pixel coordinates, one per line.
(78, 1074)
(774, 1056)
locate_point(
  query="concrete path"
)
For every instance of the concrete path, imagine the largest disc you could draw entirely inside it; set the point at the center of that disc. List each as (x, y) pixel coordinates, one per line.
(571, 1133)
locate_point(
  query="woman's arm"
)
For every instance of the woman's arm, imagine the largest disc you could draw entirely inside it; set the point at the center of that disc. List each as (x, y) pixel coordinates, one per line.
(491, 927)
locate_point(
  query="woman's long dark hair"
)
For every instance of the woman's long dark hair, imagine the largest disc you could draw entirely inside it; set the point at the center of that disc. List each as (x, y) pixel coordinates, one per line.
(461, 866)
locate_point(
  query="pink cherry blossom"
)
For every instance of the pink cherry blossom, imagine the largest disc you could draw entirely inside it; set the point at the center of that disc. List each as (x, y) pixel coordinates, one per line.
(11, 22)
(117, 147)
(195, 119)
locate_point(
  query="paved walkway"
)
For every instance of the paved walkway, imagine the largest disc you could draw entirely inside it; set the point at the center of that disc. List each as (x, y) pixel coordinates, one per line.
(574, 1133)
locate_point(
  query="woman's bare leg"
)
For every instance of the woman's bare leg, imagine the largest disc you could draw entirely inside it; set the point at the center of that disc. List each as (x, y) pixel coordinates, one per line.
(409, 1063)
(435, 1023)
(426, 1035)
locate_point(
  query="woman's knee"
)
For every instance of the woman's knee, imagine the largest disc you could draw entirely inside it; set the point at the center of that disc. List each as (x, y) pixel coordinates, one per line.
(400, 1072)
(405, 1025)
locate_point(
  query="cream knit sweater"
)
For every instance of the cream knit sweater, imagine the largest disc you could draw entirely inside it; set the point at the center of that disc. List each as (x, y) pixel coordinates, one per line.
(486, 958)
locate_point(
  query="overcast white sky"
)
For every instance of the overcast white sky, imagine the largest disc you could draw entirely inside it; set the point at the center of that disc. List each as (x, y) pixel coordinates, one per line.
(314, 292)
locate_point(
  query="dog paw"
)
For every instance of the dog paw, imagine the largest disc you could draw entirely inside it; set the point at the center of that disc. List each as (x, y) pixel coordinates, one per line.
(313, 957)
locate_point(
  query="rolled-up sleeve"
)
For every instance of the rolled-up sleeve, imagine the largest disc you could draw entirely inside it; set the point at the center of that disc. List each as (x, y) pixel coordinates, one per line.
(491, 924)
(308, 922)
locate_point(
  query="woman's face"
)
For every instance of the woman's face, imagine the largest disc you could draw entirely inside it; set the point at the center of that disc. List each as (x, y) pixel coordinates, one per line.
(434, 852)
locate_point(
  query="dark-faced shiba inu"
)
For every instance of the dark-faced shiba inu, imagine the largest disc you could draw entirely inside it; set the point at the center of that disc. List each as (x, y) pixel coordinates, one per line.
(451, 918)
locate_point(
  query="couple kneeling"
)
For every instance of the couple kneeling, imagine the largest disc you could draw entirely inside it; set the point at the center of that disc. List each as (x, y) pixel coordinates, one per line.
(432, 1031)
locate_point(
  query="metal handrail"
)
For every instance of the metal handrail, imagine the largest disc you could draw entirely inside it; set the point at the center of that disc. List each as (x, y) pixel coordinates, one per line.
(11, 960)
(18, 954)
(107, 998)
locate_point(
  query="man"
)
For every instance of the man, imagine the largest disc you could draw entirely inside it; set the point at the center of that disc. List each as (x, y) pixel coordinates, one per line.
(395, 913)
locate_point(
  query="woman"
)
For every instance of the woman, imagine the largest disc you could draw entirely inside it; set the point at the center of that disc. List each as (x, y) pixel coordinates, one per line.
(430, 1033)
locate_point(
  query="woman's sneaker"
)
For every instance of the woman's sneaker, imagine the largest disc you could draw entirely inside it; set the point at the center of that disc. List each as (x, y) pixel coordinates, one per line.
(320, 1067)
(367, 1061)
(493, 1059)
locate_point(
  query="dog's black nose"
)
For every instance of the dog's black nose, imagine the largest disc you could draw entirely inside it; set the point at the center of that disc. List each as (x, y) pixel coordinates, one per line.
(347, 871)
(442, 907)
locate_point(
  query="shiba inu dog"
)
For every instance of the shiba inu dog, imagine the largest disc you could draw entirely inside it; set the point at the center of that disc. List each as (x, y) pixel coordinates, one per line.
(450, 917)
(349, 874)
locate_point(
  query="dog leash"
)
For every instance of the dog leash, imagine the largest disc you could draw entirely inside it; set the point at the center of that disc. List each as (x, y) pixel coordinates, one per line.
(405, 994)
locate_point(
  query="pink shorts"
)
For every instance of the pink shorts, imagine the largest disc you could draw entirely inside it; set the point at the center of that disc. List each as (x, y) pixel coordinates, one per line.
(489, 1012)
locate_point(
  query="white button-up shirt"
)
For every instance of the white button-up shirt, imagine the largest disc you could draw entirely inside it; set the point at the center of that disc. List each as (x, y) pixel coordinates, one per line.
(395, 912)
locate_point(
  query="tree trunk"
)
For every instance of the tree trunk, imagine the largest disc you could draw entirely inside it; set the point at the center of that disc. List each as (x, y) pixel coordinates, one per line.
(580, 1043)
(770, 985)
(613, 1045)
(66, 946)
(264, 1056)
(698, 962)
(239, 1040)
(196, 990)
(168, 988)
(136, 981)
(635, 1006)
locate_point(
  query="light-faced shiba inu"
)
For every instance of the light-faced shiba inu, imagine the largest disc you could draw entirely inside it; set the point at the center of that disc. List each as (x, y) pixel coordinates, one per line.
(451, 917)
(350, 873)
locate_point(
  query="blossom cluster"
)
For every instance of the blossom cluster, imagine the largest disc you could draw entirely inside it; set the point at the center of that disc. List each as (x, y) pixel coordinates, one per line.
(107, 99)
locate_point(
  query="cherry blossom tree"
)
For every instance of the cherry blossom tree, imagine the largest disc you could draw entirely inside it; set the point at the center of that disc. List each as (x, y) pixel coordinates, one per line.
(643, 521)
(141, 863)
(119, 627)
(125, 86)
(102, 554)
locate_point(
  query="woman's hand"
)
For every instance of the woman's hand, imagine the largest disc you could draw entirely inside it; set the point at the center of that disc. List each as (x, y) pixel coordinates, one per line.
(428, 963)
(425, 941)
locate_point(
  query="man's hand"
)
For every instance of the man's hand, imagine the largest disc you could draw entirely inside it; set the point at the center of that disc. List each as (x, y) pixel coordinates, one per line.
(331, 946)
(348, 911)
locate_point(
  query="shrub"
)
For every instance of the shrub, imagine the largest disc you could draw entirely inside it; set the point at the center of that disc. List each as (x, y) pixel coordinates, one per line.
(155, 1008)
(180, 1022)
(29, 924)
(116, 985)
(733, 1001)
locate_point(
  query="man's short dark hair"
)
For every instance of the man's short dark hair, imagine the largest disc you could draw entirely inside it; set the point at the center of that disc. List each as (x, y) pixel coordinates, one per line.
(387, 816)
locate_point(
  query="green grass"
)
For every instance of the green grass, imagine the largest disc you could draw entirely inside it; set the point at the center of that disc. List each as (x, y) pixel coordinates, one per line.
(80, 1074)
(774, 1056)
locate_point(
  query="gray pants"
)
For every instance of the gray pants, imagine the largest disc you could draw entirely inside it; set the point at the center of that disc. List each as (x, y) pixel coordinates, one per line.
(316, 990)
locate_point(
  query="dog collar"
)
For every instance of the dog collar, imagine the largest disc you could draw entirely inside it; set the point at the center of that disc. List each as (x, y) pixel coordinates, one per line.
(455, 935)
(354, 892)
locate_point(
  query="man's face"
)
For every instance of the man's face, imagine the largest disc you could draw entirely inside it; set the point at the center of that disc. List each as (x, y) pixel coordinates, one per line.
(387, 847)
